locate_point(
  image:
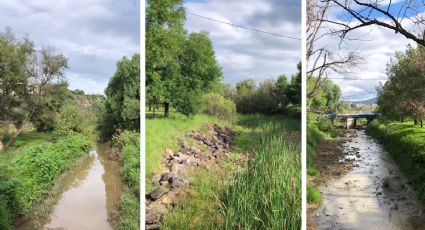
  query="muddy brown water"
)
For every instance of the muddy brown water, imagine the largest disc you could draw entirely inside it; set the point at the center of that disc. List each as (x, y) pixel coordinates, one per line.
(373, 195)
(91, 192)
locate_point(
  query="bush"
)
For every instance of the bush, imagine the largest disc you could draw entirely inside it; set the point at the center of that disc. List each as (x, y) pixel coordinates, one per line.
(314, 195)
(217, 105)
(72, 120)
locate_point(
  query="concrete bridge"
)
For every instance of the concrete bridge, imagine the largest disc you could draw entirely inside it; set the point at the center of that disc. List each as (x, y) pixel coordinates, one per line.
(351, 119)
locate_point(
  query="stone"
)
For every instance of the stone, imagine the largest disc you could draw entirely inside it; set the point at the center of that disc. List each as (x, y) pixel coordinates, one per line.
(177, 168)
(156, 178)
(153, 226)
(157, 193)
(152, 217)
(182, 158)
(168, 176)
(179, 183)
(193, 161)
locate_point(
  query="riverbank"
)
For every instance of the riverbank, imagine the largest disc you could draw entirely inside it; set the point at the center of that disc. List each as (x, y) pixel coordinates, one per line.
(33, 165)
(406, 144)
(213, 198)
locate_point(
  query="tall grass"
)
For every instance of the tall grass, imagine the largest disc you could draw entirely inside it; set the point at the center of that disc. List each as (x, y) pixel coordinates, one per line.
(163, 133)
(267, 195)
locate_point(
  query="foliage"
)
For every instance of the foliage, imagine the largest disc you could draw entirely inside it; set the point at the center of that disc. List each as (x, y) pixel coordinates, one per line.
(405, 142)
(73, 120)
(267, 195)
(398, 98)
(30, 175)
(129, 144)
(218, 106)
(122, 110)
(314, 195)
(326, 99)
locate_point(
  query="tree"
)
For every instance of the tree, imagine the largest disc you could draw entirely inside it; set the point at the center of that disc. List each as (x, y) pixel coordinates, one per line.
(165, 35)
(122, 109)
(385, 14)
(293, 91)
(200, 72)
(280, 87)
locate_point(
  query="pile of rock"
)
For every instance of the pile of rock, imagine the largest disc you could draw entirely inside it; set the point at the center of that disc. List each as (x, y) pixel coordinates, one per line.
(215, 145)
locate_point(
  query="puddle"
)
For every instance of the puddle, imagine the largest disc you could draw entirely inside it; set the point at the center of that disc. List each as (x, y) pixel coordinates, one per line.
(90, 198)
(373, 194)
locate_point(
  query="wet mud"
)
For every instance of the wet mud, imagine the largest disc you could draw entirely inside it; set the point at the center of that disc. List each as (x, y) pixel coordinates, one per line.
(373, 194)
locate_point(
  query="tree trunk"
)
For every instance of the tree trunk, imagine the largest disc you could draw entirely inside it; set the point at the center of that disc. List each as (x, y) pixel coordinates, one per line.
(150, 105)
(157, 104)
(1, 146)
(166, 109)
(13, 137)
(421, 123)
(153, 112)
(415, 121)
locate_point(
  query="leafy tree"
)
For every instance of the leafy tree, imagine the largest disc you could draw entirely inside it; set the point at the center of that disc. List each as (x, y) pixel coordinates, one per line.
(293, 91)
(200, 72)
(281, 86)
(165, 36)
(122, 109)
(327, 98)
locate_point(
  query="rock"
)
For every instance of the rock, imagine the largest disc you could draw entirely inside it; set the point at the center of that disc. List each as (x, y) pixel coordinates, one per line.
(179, 183)
(193, 161)
(182, 158)
(157, 193)
(164, 183)
(156, 178)
(152, 217)
(168, 153)
(168, 176)
(177, 168)
(185, 151)
(153, 227)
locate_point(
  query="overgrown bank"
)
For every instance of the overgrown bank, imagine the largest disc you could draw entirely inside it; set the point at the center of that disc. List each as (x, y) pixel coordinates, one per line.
(406, 144)
(264, 192)
(31, 174)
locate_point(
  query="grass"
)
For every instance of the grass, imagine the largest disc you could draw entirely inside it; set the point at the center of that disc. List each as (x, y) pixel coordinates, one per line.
(163, 133)
(406, 144)
(32, 165)
(129, 207)
(265, 194)
(314, 195)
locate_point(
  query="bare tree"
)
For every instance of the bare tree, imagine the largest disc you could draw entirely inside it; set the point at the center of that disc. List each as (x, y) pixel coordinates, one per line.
(405, 17)
(321, 59)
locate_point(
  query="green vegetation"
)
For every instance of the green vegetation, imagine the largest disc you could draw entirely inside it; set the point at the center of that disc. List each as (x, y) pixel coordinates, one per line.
(129, 145)
(34, 168)
(402, 96)
(264, 195)
(267, 195)
(405, 142)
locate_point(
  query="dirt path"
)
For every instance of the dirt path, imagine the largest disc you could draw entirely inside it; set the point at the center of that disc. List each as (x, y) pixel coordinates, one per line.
(372, 194)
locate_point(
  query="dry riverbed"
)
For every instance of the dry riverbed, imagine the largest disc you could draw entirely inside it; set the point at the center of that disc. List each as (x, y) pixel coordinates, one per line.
(366, 190)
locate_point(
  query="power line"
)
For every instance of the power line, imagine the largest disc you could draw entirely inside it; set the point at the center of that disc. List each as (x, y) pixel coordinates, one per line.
(244, 27)
(359, 79)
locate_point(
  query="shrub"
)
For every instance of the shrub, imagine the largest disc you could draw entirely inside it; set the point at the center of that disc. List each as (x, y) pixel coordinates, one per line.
(217, 105)
(71, 120)
(313, 195)
(125, 138)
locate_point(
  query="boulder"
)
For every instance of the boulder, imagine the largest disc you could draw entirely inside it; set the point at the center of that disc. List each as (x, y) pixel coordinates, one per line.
(152, 217)
(157, 193)
(168, 176)
(156, 178)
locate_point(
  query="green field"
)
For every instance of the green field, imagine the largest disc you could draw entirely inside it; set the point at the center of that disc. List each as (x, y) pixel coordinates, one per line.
(406, 144)
(267, 196)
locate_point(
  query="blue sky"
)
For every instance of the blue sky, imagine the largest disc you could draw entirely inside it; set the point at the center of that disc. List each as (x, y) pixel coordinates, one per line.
(246, 54)
(93, 34)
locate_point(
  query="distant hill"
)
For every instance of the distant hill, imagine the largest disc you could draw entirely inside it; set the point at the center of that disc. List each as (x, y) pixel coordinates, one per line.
(369, 101)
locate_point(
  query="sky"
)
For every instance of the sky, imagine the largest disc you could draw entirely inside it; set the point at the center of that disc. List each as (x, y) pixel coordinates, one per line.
(376, 45)
(244, 54)
(92, 34)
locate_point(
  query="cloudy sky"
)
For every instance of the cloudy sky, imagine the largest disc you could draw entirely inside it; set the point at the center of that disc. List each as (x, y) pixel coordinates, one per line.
(243, 53)
(376, 45)
(93, 34)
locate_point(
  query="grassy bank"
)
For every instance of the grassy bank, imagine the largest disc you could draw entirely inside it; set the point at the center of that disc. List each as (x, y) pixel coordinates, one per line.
(163, 133)
(32, 164)
(129, 207)
(406, 144)
(265, 195)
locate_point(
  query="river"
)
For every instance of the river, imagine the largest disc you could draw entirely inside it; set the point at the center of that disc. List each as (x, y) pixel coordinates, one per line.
(91, 192)
(372, 195)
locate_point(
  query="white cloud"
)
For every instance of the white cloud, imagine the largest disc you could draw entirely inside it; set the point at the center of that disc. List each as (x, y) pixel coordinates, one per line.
(246, 54)
(93, 34)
